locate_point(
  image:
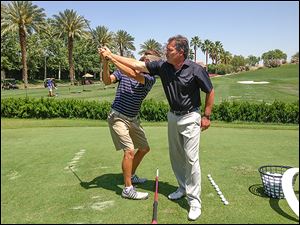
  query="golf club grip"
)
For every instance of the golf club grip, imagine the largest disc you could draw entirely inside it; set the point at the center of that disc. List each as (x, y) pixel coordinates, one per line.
(154, 216)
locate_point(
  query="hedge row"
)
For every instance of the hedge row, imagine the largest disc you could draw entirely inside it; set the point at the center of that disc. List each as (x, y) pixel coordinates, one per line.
(151, 110)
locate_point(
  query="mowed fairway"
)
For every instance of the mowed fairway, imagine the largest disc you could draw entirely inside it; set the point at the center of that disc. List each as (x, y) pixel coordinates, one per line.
(283, 86)
(37, 185)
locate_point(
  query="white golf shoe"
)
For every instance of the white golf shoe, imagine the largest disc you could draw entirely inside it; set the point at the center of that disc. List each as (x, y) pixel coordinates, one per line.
(133, 194)
(194, 213)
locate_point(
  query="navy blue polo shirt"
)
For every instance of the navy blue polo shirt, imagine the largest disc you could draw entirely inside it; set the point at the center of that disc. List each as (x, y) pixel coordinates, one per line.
(182, 87)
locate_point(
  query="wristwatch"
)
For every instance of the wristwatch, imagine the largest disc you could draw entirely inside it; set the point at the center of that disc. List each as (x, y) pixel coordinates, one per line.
(207, 117)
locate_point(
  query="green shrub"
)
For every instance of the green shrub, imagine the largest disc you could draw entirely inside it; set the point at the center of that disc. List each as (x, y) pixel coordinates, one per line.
(151, 110)
(223, 69)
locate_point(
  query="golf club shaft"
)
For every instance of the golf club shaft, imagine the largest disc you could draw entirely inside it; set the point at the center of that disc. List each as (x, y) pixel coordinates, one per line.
(155, 204)
(92, 32)
(94, 37)
(75, 174)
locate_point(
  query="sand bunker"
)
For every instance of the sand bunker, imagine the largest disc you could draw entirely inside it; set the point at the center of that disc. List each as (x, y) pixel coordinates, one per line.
(253, 82)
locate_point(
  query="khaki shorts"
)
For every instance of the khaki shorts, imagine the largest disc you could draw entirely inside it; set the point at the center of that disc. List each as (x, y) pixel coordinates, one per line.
(126, 134)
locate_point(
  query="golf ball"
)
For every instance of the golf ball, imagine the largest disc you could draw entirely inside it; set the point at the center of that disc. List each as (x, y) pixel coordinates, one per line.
(217, 189)
(219, 192)
(226, 202)
(208, 175)
(222, 196)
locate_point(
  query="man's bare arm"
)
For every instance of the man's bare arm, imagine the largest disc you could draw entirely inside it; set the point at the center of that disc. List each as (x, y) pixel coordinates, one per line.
(128, 71)
(209, 101)
(131, 63)
(107, 77)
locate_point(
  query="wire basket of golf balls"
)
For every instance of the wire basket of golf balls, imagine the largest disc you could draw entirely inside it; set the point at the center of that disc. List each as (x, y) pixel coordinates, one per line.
(271, 178)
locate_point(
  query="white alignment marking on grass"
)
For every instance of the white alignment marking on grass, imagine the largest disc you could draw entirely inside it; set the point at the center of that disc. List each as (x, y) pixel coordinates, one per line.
(96, 196)
(13, 175)
(102, 205)
(210, 195)
(75, 160)
(252, 82)
(77, 207)
(104, 167)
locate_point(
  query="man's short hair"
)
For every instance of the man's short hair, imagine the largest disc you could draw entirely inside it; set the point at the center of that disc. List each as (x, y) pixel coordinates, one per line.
(150, 55)
(152, 52)
(181, 42)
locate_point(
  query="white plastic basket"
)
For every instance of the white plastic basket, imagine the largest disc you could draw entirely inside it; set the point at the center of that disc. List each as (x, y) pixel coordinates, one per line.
(271, 179)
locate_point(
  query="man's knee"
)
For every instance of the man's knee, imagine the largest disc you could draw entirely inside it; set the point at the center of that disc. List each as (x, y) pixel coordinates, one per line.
(128, 154)
(145, 149)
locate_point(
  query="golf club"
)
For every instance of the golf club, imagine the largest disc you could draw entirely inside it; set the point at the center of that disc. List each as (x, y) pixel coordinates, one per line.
(96, 40)
(155, 204)
(92, 32)
(75, 174)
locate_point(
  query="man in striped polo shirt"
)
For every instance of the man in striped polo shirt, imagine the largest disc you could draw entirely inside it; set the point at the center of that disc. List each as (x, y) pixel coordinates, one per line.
(126, 131)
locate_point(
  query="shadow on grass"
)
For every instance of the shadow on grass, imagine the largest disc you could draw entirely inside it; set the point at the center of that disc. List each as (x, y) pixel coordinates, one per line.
(258, 190)
(112, 181)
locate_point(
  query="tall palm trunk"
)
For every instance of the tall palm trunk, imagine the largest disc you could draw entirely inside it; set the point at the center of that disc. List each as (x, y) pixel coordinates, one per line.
(206, 59)
(195, 49)
(121, 50)
(71, 65)
(22, 36)
(59, 72)
(101, 71)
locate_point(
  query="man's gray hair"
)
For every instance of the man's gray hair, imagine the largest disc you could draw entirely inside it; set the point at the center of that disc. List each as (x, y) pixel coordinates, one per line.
(181, 42)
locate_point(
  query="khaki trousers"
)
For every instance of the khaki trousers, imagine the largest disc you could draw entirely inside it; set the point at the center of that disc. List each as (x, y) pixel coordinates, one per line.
(184, 141)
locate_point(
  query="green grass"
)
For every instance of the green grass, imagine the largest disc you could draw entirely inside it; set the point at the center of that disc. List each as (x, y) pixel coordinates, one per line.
(38, 187)
(284, 86)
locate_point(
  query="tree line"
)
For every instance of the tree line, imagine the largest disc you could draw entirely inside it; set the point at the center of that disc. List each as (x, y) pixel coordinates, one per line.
(65, 45)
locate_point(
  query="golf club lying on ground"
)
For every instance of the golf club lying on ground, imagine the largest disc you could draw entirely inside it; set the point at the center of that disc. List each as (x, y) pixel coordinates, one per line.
(70, 167)
(155, 203)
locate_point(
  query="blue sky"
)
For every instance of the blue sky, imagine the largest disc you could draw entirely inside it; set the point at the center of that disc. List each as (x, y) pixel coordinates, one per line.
(244, 28)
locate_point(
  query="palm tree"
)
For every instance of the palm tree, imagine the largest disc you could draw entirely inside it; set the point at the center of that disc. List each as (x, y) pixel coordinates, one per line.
(71, 25)
(196, 42)
(23, 18)
(105, 38)
(124, 41)
(225, 57)
(214, 51)
(150, 44)
(219, 50)
(191, 54)
(205, 47)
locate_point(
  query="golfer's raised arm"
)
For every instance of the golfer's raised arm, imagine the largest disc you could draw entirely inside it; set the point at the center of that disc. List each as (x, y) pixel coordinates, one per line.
(108, 79)
(128, 71)
(131, 63)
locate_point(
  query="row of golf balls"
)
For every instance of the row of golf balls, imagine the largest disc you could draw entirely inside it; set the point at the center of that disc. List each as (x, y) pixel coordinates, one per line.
(218, 190)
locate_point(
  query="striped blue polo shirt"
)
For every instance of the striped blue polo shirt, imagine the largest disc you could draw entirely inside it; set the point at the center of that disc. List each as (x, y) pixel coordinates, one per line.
(130, 93)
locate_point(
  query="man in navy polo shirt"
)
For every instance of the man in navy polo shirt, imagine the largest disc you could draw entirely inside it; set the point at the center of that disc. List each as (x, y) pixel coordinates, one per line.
(182, 81)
